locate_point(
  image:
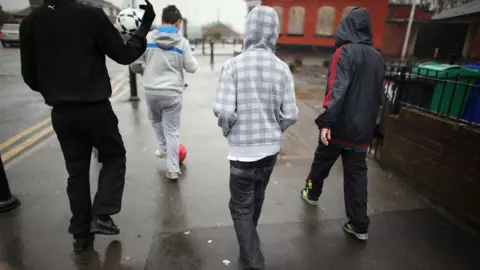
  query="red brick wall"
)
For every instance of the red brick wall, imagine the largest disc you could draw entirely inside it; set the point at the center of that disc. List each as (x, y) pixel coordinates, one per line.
(393, 37)
(394, 32)
(403, 12)
(377, 8)
(440, 158)
(475, 46)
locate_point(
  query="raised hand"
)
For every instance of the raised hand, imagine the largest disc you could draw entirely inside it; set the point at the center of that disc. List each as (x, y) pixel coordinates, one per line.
(148, 16)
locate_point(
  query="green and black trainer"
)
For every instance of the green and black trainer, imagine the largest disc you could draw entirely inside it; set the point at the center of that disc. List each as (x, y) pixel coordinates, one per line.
(349, 228)
(305, 192)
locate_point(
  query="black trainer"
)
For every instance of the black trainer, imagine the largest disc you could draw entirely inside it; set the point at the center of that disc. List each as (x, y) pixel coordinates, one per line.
(104, 226)
(8, 205)
(83, 243)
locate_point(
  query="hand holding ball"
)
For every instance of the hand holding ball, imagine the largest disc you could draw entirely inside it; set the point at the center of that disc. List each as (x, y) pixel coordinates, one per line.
(129, 20)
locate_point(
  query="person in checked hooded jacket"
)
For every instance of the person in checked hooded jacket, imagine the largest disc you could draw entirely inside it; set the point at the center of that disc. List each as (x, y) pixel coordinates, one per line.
(255, 104)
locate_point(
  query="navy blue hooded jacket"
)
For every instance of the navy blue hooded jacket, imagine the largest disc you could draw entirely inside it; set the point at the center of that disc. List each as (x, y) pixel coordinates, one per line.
(355, 84)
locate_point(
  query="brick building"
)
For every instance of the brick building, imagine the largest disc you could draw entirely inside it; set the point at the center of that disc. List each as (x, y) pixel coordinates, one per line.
(454, 32)
(464, 20)
(226, 32)
(396, 28)
(307, 24)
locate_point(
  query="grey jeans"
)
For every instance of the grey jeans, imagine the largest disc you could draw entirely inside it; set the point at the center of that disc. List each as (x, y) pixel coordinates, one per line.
(248, 182)
(164, 113)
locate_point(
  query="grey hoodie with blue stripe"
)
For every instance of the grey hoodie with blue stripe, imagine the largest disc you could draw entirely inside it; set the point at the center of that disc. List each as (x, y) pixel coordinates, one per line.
(168, 54)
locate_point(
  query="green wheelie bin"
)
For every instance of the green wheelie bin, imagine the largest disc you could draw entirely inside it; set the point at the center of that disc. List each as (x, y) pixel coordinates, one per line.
(452, 89)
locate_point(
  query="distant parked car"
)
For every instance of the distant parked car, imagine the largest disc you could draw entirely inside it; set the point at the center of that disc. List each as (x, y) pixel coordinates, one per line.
(10, 34)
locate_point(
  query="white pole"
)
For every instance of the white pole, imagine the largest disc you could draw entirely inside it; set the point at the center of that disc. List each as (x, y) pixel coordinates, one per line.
(409, 29)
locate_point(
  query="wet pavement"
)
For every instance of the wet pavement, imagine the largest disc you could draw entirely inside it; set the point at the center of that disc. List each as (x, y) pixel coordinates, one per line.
(20, 107)
(186, 224)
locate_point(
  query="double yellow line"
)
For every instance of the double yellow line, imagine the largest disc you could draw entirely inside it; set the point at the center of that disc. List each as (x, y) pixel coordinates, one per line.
(45, 128)
(34, 134)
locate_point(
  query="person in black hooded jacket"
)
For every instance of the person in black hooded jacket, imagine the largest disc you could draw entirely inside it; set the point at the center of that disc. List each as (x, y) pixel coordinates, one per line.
(63, 45)
(348, 118)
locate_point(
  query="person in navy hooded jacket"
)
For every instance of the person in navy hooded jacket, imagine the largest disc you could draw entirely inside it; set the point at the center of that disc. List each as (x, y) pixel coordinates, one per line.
(347, 121)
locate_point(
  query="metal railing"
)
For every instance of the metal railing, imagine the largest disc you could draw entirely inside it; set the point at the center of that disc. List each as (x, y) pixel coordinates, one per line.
(447, 93)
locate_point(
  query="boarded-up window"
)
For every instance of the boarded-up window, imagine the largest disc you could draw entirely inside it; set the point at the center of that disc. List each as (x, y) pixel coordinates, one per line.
(296, 20)
(279, 11)
(325, 20)
(347, 10)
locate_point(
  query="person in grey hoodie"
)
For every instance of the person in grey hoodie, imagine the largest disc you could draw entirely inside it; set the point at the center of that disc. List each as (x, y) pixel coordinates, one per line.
(255, 104)
(168, 54)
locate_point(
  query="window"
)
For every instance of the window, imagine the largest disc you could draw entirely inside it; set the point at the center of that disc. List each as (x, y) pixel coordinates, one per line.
(347, 10)
(279, 11)
(325, 21)
(296, 21)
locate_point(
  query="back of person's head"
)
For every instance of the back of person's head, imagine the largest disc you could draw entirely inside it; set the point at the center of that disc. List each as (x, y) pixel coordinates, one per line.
(171, 15)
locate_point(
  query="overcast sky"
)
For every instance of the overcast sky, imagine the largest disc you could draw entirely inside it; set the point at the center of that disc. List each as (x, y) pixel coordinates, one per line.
(197, 11)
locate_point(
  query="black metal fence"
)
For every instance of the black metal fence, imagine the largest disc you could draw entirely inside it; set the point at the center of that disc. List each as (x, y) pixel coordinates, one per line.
(446, 91)
(442, 90)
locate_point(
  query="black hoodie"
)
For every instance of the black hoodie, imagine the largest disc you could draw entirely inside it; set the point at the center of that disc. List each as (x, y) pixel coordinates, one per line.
(63, 47)
(355, 84)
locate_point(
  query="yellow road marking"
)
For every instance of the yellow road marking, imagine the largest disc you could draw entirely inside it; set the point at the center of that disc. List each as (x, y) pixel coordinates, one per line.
(26, 144)
(24, 133)
(38, 136)
(117, 82)
(30, 130)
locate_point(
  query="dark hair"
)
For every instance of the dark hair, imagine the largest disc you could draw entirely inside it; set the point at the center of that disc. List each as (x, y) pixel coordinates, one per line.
(171, 15)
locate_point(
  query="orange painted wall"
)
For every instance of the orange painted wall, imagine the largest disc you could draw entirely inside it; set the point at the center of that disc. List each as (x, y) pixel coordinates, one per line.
(378, 10)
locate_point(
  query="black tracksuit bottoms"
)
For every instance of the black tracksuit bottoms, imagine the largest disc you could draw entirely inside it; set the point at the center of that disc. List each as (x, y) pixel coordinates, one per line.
(79, 128)
(354, 180)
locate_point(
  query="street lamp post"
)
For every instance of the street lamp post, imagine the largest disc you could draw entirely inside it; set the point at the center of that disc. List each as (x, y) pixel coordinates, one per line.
(409, 29)
(7, 200)
(133, 85)
(133, 78)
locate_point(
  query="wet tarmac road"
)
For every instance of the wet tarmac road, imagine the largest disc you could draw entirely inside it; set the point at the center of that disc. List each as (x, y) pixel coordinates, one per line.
(20, 107)
(169, 225)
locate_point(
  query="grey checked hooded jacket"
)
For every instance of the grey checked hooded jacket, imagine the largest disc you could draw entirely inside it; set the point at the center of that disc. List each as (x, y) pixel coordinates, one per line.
(255, 100)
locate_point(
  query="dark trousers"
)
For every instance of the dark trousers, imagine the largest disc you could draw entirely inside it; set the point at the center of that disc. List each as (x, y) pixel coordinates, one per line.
(354, 180)
(5, 194)
(79, 128)
(248, 181)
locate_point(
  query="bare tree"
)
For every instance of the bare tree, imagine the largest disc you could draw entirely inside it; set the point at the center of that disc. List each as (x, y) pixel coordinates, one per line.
(440, 5)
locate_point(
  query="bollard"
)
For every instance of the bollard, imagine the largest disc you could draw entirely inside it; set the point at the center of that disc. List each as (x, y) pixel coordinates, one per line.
(211, 53)
(133, 85)
(185, 28)
(7, 200)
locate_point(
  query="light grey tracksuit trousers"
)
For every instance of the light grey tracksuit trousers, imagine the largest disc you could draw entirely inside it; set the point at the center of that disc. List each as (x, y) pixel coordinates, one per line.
(164, 113)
